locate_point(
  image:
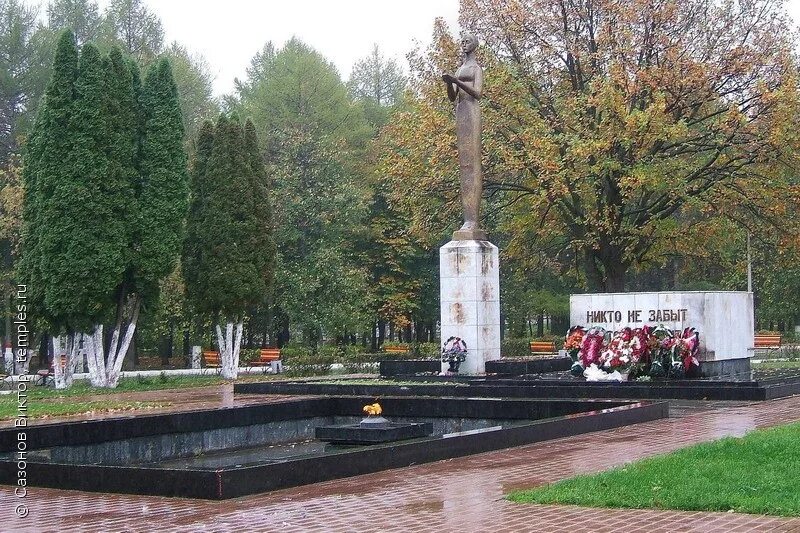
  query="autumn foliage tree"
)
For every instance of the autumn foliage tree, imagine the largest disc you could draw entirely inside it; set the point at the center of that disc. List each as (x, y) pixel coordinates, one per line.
(615, 132)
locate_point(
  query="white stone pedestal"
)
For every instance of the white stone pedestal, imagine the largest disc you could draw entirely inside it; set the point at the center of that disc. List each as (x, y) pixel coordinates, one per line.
(469, 271)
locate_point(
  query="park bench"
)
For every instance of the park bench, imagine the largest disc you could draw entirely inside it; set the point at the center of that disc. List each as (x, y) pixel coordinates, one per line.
(45, 377)
(543, 348)
(395, 349)
(767, 342)
(211, 360)
(268, 358)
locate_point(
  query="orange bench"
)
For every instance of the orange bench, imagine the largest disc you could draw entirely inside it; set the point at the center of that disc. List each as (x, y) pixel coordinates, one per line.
(543, 348)
(211, 359)
(268, 358)
(396, 349)
(765, 342)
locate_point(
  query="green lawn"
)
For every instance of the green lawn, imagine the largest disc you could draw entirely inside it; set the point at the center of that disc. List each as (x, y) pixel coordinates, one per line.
(759, 474)
(47, 401)
(51, 409)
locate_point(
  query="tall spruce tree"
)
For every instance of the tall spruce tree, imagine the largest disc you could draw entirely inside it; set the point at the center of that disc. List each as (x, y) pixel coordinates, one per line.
(195, 222)
(230, 255)
(152, 143)
(106, 195)
(48, 148)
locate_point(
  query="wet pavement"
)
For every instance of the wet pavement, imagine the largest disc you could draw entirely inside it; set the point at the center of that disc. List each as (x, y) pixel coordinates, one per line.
(459, 495)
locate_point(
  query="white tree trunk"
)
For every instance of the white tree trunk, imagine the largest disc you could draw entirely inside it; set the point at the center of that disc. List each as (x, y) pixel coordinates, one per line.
(105, 371)
(69, 346)
(95, 358)
(221, 346)
(57, 370)
(229, 346)
(114, 364)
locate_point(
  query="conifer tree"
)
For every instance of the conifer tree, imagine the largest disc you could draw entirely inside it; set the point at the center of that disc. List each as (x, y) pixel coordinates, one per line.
(86, 235)
(47, 149)
(164, 195)
(192, 245)
(230, 254)
(106, 198)
(116, 191)
(264, 247)
(157, 200)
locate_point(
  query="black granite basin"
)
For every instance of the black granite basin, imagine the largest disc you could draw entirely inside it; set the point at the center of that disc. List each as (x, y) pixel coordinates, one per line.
(230, 452)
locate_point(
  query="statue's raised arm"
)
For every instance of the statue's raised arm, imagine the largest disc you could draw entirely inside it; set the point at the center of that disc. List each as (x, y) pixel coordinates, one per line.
(465, 89)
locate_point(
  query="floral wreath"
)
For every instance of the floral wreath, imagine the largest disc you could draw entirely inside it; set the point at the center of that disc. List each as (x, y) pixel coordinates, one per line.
(455, 349)
(654, 351)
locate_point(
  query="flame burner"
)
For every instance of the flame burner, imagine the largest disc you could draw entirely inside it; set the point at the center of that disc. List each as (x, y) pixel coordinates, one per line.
(374, 429)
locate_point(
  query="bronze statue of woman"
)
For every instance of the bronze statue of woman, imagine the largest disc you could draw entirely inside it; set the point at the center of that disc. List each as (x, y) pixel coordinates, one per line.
(465, 89)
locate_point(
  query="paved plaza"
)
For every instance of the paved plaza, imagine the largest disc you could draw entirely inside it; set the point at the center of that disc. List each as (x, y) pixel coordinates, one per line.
(459, 495)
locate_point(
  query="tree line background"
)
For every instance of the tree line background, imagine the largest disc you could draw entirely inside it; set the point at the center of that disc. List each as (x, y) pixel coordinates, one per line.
(628, 146)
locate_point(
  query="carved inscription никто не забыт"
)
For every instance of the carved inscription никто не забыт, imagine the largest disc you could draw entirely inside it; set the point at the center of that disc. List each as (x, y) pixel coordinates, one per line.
(639, 315)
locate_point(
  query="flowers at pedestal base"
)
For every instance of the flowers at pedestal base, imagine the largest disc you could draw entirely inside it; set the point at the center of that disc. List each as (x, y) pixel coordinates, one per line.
(454, 352)
(601, 355)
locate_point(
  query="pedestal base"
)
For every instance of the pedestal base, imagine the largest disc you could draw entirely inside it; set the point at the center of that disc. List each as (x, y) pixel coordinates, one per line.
(470, 300)
(372, 433)
(469, 235)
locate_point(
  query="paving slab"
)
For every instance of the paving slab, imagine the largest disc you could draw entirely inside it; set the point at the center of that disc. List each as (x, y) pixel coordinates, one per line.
(459, 495)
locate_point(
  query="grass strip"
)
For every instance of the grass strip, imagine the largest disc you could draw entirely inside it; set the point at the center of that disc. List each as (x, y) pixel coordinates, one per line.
(48, 401)
(758, 473)
(48, 410)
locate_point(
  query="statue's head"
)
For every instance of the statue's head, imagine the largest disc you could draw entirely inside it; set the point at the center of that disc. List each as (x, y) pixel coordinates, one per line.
(468, 43)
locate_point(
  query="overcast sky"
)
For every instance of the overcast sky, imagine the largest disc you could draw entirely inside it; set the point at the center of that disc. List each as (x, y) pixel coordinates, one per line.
(229, 32)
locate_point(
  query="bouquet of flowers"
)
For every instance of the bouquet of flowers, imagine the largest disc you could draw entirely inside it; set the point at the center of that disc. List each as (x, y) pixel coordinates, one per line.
(624, 352)
(454, 352)
(572, 343)
(661, 342)
(591, 346)
(684, 353)
(653, 351)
